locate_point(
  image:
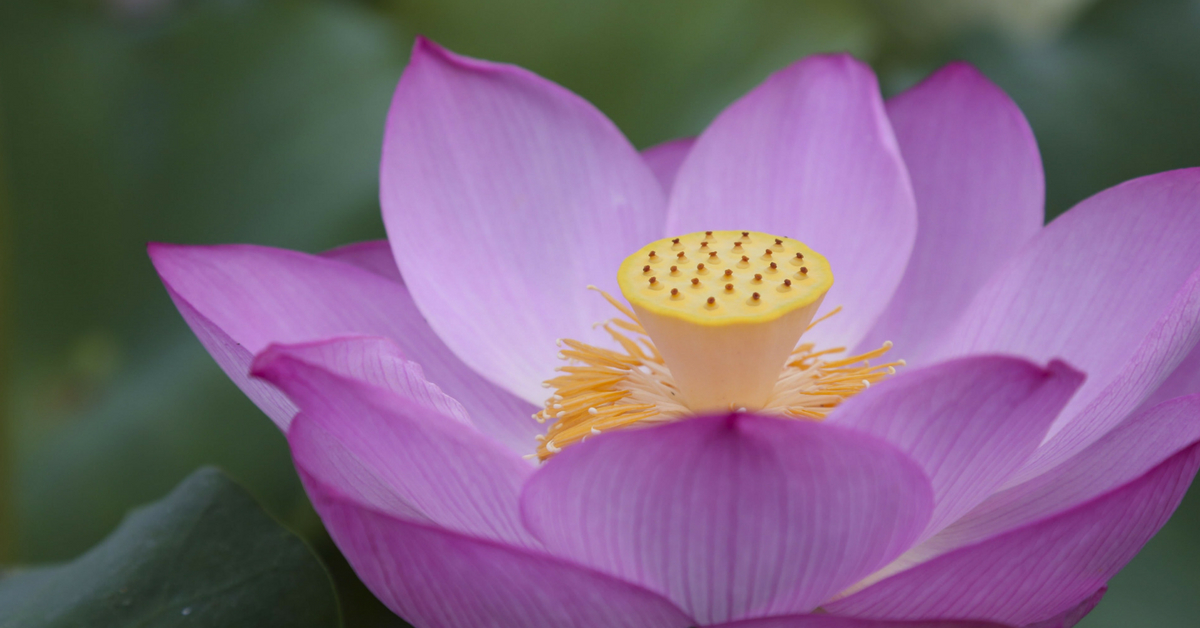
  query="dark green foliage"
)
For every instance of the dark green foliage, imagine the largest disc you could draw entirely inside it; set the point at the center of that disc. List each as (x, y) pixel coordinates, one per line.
(204, 555)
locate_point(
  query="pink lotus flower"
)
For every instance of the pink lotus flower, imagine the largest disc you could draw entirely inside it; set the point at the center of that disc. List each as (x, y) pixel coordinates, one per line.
(972, 486)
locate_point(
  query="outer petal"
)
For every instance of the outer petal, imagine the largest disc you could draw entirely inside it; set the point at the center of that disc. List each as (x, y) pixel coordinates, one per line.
(732, 516)
(969, 423)
(666, 158)
(1156, 356)
(449, 473)
(1109, 287)
(1183, 381)
(238, 299)
(372, 255)
(833, 621)
(977, 177)
(1069, 618)
(1040, 570)
(1065, 620)
(1131, 450)
(375, 361)
(810, 154)
(436, 578)
(504, 197)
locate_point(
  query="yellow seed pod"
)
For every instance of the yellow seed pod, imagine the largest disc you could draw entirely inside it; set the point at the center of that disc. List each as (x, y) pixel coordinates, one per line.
(728, 316)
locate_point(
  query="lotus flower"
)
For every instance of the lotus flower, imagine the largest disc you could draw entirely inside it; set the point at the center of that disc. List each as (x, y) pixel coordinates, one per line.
(869, 409)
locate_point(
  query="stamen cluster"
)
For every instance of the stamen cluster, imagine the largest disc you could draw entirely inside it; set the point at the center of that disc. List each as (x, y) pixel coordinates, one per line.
(605, 389)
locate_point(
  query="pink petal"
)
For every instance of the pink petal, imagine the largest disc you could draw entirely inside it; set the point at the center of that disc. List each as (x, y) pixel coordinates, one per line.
(372, 255)
(436, 578)
(977, 177)
(1184, 380)
(375, 361)
(969, 423)
(1108, 287)
(833, 621)
(731, 516)
(449, 473)
(341, 466)
(666, 158)
(1039, 570)
(1160, 351)
(230, 354)
(810, 154)
(1069, 618)
(1126, 453)
(504, 197)
(240, 298)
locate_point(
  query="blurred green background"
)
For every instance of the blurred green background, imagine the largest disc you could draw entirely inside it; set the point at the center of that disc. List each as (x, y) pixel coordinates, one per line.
(199, 121)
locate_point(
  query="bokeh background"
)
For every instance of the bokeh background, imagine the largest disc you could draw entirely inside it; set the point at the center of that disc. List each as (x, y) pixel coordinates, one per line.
(201, 121)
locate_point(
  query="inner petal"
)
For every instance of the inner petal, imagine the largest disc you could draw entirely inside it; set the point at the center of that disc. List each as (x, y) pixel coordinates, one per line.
(714, 325)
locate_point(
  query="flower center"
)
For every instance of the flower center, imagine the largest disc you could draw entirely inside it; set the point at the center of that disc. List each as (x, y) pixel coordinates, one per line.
(715, 321)
(725, 308)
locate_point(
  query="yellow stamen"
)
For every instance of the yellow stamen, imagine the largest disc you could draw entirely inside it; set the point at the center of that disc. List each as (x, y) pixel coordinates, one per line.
(609, 388)
(592, 399)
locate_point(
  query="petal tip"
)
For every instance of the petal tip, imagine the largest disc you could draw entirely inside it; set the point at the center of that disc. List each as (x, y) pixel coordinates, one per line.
(839, 62)
(265, 365)
(166, 258)
(972, 80)
(424, 47)
(1061, 368)
(959, 67)
(425, 44)
(427, 49)
(823, 66)
(158, 250)
(841, 58)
